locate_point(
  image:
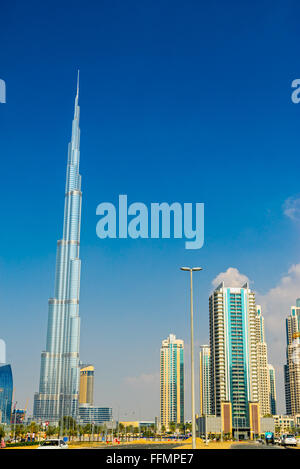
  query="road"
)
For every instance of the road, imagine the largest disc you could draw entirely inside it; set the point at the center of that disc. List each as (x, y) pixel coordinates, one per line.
(142, 446)
(254, 446)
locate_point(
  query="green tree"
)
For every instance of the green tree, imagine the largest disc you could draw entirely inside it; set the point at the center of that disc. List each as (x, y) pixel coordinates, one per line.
(68, 423)
(87, 429)
(181, 427)
(2, 432)
(51, 430)
(172, 426)
(34, 427)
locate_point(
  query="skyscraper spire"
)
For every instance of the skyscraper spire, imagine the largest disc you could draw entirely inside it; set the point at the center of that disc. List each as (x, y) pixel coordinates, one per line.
(77, 83)
(59, 379)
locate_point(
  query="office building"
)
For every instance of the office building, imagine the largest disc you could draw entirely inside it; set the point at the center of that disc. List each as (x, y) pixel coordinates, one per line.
(86, 386)
(93, 415)
(171, 381)
(205, 380)
(272, 381)
(59, 375)
(292, 366)
(6, 394)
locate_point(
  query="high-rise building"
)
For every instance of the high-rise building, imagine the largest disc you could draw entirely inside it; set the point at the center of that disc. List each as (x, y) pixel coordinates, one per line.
(6, 393)
(262, 365)
(272, 381)
(59, 376)
(86, 387)
(233, 350)
(171, 381)
(292, 367)
(205, 408)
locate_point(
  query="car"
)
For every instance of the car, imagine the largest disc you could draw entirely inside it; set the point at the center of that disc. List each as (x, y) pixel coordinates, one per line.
(54, 443)
(289, 440)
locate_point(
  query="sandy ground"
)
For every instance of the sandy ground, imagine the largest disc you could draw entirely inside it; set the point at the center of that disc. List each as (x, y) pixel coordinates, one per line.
(211, 445)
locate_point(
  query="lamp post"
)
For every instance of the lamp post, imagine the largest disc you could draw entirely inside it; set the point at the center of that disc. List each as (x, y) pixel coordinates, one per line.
(14, 438)
(191, 270)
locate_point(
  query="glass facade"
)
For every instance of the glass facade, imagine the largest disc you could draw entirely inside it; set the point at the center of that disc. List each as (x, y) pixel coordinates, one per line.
(6, 392)
(238, 360)
(233, 344)
(272, 389)
(172, 381)
(94, 415)
(59, 376)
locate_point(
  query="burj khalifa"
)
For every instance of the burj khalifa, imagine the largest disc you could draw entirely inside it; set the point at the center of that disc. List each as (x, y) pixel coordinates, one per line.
(59, 376)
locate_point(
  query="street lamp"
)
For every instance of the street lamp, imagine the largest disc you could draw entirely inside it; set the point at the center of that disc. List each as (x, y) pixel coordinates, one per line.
(191, 270)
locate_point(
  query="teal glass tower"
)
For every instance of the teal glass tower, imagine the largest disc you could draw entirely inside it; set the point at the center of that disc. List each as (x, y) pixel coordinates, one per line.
(233, 347)
(59, 376)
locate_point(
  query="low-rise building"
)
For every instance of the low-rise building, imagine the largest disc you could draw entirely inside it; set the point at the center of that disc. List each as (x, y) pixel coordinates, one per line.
(267, 424)
(209, 424)
(138, 424)
(93, 415)
(283, 423)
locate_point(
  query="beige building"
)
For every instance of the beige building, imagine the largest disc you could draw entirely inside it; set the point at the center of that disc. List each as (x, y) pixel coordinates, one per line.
(292, 367)
(262, 366)
(171, 381)
(285, 423)
(86, 385)
(205, 407)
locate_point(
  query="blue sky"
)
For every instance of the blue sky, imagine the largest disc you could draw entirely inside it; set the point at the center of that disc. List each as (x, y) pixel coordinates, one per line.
(180, 101)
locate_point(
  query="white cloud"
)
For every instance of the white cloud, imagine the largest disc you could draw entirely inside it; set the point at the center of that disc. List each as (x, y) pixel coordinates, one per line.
(277, 301)
(232, 278)
(276, 304)
(291, 208)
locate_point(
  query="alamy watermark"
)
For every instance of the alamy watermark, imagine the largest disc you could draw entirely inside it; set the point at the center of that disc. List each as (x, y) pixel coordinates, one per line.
(2, 91)
(161, 220)
(2, 352)
(296, 93)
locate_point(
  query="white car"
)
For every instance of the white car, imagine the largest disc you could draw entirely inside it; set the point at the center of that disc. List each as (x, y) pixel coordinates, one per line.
(53, 444)
(289, 440)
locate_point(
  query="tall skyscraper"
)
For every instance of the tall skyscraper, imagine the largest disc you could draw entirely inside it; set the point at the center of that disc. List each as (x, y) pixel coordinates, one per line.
(292, 367)
(205, 408)
(262, 365)
(86, 387)
(6, 392)
(234, 380)
(272, 380)
(171, 381)
(59, 377)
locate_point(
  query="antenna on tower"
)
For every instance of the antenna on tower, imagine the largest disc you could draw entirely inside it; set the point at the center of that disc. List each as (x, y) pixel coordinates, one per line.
(77, 83)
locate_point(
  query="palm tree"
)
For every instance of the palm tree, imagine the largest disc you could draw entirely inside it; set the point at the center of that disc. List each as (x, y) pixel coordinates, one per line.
(88, 430)
(51, 430)
(2, 432)
(172, 426)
